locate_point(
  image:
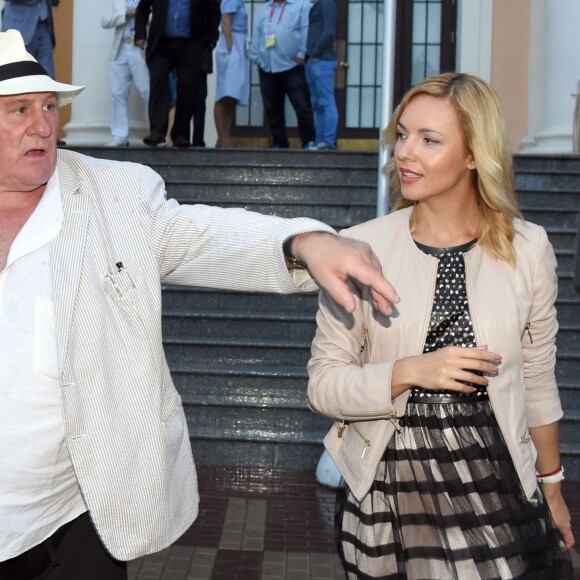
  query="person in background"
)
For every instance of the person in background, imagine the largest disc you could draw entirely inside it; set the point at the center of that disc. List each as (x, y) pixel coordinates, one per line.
(96, 464)
(233, 73)
(448, 410)
(127, 65)
(200, 106)
(321, 66)
(278, 50)
(33, 19)
(180, 33)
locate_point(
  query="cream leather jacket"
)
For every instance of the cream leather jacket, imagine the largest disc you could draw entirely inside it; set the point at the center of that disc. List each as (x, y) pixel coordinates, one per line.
(512, 311)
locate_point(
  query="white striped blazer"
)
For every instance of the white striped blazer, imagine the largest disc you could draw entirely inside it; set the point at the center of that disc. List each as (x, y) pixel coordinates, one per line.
(125, 426)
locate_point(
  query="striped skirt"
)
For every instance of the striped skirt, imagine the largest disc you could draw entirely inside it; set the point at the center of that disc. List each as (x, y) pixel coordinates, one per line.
(446, 503)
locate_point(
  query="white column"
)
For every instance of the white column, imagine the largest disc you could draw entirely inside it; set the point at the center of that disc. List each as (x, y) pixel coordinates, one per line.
(554, 72)
(90, 122)
(474, 37)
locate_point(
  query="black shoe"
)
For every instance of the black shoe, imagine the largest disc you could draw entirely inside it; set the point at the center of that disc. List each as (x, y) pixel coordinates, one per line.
(155, 140)
(181, 142)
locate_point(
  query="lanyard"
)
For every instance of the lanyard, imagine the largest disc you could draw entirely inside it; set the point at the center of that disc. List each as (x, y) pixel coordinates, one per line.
(272, 12)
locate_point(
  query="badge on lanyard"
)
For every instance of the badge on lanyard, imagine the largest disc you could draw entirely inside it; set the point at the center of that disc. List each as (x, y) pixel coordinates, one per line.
(270, 40)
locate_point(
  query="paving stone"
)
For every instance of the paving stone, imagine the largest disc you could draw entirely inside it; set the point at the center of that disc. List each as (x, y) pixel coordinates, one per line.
(289, 512)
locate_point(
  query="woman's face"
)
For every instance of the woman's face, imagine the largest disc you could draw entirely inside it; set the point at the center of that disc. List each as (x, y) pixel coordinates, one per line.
(430, 154)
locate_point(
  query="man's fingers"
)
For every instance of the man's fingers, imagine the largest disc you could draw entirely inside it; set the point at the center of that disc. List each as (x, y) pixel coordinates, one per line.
(382, 304)
(332, 260)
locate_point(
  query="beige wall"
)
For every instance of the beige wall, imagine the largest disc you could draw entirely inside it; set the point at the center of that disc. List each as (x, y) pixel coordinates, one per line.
(63, 16)
(510, 63)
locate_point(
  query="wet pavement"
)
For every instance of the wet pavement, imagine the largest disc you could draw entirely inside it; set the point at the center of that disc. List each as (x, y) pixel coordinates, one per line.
(266, 525)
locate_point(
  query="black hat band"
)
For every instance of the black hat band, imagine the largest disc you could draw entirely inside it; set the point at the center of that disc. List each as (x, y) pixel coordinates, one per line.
(25, 68)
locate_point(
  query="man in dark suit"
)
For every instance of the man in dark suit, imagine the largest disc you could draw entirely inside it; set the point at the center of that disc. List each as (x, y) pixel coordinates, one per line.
(33, 19)
(181, 32)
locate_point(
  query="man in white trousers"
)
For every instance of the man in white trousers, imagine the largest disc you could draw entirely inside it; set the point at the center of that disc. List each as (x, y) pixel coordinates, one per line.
(128, 66)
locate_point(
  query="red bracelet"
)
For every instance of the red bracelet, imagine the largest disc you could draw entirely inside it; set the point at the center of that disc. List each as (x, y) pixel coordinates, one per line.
(557, 470)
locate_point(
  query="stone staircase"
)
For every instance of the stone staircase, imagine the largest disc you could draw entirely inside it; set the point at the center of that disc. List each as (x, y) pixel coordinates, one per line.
(239, 360)
(549, 191)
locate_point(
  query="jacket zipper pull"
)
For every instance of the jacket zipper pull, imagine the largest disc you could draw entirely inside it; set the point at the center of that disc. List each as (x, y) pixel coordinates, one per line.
(341, 430)
(365, 338)
(367, 445)
(529, 333)
(393, 419)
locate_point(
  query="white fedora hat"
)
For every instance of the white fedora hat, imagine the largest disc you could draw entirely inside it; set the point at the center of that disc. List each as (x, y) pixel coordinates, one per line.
(20, 73)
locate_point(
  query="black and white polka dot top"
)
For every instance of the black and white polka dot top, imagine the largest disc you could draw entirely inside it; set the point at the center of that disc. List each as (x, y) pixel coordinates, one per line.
(450, 322)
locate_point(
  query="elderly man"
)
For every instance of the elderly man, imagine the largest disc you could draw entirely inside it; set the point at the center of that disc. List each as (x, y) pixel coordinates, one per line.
(96, 463)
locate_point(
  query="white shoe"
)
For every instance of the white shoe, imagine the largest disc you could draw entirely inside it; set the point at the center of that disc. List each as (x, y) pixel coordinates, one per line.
(117, 142)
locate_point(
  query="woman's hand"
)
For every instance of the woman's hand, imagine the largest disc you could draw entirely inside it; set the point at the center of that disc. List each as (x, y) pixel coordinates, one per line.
(444, 369)
(560, 513)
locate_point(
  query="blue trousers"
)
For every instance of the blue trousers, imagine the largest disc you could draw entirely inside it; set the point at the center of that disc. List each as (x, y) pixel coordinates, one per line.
(40, 47)
(320, 76)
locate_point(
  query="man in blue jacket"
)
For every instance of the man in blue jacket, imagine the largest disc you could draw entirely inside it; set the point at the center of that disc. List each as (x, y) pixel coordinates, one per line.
(33, 19)
(177, 35)
(320, 68)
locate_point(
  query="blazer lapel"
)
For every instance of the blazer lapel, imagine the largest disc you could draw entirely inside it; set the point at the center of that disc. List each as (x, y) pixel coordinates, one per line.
(67, 253)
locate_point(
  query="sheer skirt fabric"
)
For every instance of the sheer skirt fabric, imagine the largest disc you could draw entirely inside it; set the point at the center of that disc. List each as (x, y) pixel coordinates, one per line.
(446, 503)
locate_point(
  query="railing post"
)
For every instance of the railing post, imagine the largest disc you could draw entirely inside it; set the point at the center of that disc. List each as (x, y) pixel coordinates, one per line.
(389, 28)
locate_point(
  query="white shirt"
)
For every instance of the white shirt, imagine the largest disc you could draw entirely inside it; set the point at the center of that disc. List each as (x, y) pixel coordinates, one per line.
(38, 488)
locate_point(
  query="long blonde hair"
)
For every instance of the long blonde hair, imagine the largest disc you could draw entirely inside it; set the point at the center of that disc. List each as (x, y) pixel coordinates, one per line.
(481, 121)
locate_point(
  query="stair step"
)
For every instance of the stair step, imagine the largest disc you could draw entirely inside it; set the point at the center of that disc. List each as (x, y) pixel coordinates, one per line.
(566, 286)
(552, 218)
(546, 163)
(230, 413)
(567, 367)
(570, 456)
(254, 381)
(302, 194)
(547, 182)
(570, 396)
(237, 351)
(246, 325)
(568, 309)
(568, 339)
(252, 448)
(242, 157)
(184, 298)
(281, 176)
(562, 238)
(541, 199)
(570, 427)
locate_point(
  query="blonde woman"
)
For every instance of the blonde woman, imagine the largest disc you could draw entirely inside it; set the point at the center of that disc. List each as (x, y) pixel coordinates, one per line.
(447, 411)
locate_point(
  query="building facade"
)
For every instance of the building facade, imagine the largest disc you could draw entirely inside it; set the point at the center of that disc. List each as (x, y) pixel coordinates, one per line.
(528, 49)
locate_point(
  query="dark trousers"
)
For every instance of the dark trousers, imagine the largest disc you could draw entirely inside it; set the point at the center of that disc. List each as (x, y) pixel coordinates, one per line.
(73, 552)
(274, 88)
(199, 112)
(184, 55)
